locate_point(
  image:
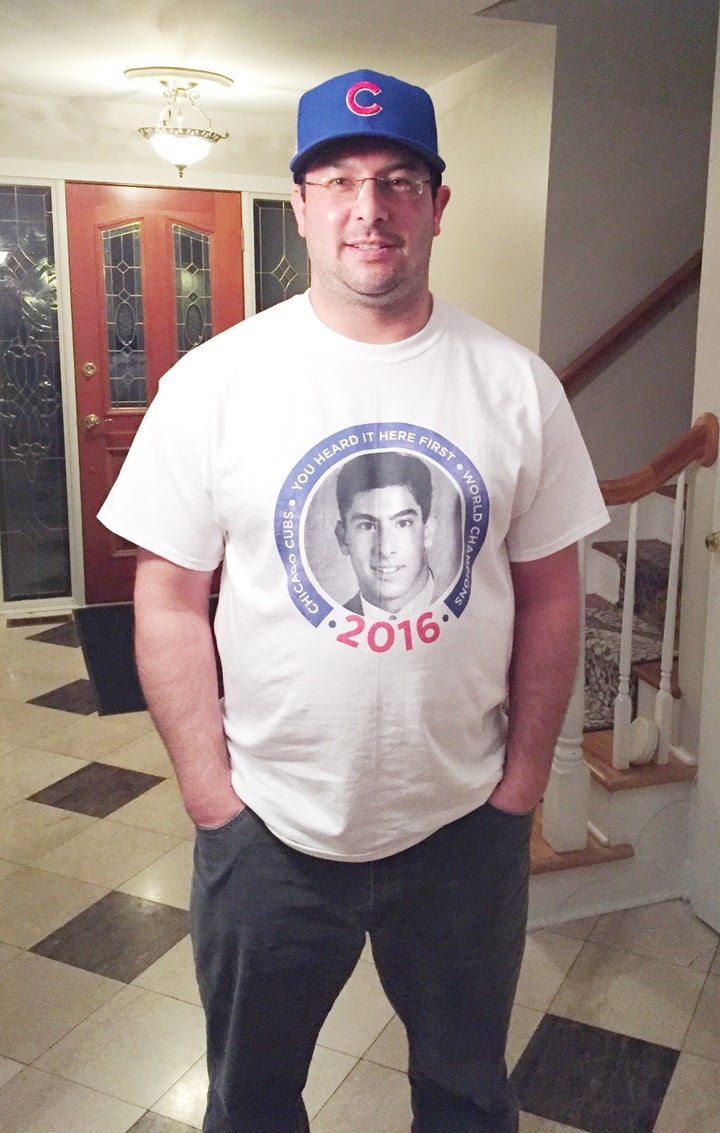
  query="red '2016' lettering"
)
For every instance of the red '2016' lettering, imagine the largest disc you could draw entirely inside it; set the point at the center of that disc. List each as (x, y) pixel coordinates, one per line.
(381, 636)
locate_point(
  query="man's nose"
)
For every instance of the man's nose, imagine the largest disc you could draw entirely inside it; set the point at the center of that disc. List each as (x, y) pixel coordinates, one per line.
(384, 541)
(370, 203)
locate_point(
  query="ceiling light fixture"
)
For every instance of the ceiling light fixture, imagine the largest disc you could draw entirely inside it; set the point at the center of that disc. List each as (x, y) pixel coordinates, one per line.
(183, 134)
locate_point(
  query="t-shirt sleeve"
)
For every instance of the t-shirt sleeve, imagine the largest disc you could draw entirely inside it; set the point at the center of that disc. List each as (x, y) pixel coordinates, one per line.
(565, 503)
(162, 498)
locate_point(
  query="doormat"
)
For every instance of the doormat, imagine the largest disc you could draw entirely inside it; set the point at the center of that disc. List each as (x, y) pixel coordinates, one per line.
(106, 635)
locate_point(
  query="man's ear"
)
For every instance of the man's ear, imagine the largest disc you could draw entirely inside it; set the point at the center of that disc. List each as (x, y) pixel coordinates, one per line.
(340, 536)
(430, 527)
(439, 205)
(298, 206)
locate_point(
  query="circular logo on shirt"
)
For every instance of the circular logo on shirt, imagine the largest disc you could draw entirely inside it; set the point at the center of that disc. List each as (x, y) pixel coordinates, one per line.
(378, 527)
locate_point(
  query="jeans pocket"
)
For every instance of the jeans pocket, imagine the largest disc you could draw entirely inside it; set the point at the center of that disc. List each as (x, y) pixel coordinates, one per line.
(520, 825)
(527, 814)
(218, 831)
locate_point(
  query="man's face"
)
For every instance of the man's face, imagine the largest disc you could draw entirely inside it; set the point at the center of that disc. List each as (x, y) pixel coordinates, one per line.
(373, 249)
(387, 541)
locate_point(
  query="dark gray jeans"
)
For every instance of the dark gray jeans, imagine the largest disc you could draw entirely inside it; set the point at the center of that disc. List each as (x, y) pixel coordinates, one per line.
(277, 933)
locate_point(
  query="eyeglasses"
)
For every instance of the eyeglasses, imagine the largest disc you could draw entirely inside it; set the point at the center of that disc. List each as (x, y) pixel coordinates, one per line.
(390, 187)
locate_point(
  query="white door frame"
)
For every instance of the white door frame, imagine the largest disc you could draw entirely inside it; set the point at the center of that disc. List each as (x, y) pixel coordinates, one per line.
(705, 833)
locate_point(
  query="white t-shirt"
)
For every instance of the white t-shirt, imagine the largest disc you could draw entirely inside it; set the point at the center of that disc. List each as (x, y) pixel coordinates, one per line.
(355, 738)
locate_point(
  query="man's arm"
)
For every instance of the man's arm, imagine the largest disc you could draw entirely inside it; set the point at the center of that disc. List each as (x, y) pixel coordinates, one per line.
(176, 664)
(542, 671)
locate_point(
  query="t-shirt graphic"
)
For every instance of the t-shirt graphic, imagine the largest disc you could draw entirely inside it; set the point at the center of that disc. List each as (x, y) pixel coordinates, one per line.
(378, 527)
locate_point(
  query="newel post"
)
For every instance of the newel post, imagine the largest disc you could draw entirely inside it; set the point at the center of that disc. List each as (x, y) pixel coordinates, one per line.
(567, 796)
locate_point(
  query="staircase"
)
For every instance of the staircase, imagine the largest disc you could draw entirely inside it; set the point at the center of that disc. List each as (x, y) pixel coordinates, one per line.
(620, 789)
(612, 832)
(603, 624)
(603, 627)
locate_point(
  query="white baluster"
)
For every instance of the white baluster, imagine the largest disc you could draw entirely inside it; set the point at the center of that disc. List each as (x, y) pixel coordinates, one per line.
(566, 800)
(622, 719)
(664, 697)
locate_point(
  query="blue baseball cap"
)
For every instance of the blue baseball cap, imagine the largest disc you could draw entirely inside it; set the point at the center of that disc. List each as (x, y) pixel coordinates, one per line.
(366, 104)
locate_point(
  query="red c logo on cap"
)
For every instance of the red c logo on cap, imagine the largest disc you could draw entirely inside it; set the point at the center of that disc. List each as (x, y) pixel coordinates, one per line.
(356, 107)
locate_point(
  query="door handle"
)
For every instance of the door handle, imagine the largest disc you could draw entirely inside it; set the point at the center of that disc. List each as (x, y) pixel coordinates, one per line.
(92, 421)
(712, 541)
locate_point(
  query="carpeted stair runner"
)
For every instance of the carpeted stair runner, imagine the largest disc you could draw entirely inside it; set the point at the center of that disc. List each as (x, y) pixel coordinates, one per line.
(603, 623)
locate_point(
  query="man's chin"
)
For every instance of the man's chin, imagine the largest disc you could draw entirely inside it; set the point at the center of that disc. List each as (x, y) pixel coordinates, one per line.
(390, 598)
(380, 602)
(389, 603)
(379, 282)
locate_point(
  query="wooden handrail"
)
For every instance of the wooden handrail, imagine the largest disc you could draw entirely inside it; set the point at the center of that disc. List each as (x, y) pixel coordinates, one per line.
(699, 444)
(609, 343)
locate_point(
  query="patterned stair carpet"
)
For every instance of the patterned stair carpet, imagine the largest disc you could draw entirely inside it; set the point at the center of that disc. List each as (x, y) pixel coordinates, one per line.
(603, 622)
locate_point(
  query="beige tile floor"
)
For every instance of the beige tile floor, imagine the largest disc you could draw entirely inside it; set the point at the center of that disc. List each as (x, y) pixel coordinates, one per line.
(81, 1053)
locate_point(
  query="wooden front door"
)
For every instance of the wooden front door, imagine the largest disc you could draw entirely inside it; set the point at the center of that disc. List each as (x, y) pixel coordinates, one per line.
(153, 272)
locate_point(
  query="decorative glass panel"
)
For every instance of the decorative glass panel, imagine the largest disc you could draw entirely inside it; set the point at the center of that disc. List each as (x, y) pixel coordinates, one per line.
(281, 263)
(34, 538)
(124, 310)
(192, 287)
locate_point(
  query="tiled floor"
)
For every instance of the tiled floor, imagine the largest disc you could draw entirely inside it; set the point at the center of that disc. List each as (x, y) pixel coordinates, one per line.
(616, 1027)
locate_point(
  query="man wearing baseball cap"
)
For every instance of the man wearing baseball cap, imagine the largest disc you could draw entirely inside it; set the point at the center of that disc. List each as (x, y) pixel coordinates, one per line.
(362, 776)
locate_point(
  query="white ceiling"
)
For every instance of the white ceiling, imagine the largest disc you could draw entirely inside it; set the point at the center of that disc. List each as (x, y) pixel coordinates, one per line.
(64, 97)
(272, 49)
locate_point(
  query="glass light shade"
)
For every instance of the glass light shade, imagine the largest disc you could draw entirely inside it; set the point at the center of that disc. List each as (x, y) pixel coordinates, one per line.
(182, 147)
(180, 144)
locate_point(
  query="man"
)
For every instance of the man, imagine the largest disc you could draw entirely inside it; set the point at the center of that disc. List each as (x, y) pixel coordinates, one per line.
(352, 783)
(386, 528)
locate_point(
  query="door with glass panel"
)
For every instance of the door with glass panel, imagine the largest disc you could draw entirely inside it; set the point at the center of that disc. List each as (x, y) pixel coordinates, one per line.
(153, 273)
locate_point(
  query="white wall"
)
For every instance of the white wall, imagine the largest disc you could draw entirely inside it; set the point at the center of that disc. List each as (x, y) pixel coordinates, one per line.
(494, 121)
(644, 398)
(700, 645)
(699, 564)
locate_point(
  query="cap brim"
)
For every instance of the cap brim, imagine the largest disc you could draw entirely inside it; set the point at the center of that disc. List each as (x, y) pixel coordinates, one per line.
(302, 160)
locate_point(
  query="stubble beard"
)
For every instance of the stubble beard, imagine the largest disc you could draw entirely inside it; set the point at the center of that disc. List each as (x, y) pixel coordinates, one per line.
(390, 291)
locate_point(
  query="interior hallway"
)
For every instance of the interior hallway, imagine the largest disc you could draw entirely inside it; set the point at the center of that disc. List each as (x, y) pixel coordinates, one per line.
(616, 1027)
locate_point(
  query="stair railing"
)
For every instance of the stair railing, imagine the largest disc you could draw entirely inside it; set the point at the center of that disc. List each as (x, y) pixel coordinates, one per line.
(663, 299)
(566, 801)
(641, 740)
(664, 697)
